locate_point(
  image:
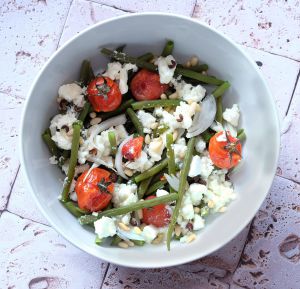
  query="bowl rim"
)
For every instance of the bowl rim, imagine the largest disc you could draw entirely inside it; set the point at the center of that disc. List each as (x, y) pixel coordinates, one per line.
(166, 263)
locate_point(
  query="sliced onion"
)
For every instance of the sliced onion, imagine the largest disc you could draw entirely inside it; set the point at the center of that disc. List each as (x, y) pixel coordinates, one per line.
(173, 181)
(204, 118)
(129, 235)
(114, 121)
(94, 165)
(118, 159)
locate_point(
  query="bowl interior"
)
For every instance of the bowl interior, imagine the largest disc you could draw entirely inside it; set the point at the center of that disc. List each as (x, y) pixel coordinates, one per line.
(143, 33)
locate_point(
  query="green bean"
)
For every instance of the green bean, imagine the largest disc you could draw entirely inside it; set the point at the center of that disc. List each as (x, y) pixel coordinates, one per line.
(206, 135)
(115, 240)
(121, 109)
(138, 242)
(113, 142)
(182, 185)
(146, 57)
(168, 49)
(74, 210)
(160, 130)
(86, 72)
(241, 135)
(120, 48)
(156, 186)
(64, 156)
(98, 241)
(198, 76)
(53, 149)
(135, 120)
(152, 171)
(219, 113)
(146, 104)
(123, 58)
(88, 219)
(86, 109)
(143, 187)
(171, 156)
(197, 68)
(73, 160)
(219, 91)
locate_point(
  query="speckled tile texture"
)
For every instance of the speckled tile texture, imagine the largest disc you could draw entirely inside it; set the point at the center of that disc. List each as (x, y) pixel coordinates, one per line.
(34, 256)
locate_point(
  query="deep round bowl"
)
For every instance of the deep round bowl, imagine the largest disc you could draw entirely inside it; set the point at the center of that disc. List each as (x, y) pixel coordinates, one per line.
(142, 33)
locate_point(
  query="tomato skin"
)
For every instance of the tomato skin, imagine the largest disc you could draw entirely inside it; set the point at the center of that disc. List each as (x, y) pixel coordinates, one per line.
(221, 156)
(146, 85)
(90, 196)
(133, 148)
(109, 99)
(158, 216)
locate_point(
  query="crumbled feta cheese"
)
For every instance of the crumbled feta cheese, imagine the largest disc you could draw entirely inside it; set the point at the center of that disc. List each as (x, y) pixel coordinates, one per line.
(160, 193)
(230, 128)
(149, 233)
(200, 144)
(158, 112)
(232, 115)
(124, 194)
(196, 192)
(202, 166)
(179, 151)
(146, 119)
(59, 135)
(120, 133)
(166, 68)
(125, 219)
(118, 71)
(187, 112)
(155, 149)
(73, 196)
(105, 227)
(53, 160)
(72, 93)
(169, 120)
(181, 141)
(216, 126)
(187, 209)
(189, 92)
(221, 137)
(198, 222)
(140, 164)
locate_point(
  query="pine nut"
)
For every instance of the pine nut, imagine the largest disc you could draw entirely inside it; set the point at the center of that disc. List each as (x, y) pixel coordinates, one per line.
(159, 238)
(204, 72)
(174, 95)
(123, 227)
(137, 230)
(147, 139)
(129, 243)
(93, 114)
(188, 64)
(197, 210)
(223, 209)
(95, 120)
(154, 125)
(140, 214)
(81, 141)
(194, 61)
(123, 245)
(156, 145)
(175, 135)
(177, 230)
(163, 96)
(128, 172)
(210, 204)
(142, 226)
(191, 238)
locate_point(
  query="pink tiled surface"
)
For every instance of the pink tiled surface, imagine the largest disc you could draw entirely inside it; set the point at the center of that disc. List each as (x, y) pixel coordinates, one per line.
(34, 256)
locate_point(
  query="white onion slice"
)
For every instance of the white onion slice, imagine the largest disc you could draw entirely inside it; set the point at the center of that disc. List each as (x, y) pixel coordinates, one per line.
(114, 121)
(173, 181)
(118, 159)
(204, 118)
(129, 235)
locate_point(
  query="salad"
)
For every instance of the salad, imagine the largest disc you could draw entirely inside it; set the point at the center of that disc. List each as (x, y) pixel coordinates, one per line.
(146, 147)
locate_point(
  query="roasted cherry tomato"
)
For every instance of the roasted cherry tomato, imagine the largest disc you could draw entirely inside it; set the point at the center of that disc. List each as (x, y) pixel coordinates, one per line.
(133, 148)
(225, 150)
(146, 85)
(94, 189)
(104, 94)
(158, 216)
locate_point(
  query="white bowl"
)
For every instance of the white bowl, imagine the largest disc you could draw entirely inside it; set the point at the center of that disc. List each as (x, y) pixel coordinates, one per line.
(143, 33)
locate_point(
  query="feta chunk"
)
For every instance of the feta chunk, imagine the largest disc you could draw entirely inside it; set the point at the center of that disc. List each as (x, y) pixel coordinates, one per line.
(216, 126)
(169, 120)
(232, 115)
(189, 92)
(105, 227)
(147, 120)
(62, 138)
(200, 145)
(53, 160)
(149, 233)
(196, 192)
(124, 194)
(166, 68)
(160, 193)
(140, 164)
(198, 222)
(202, 166)
(155, 149)
(118, 71)
(72, 93)
(221, 137)
(179, 151)
(187, 111)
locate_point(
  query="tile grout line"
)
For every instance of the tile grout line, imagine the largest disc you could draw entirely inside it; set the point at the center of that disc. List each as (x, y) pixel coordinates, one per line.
(12, 186)
(285, 178)
(62, 30)
(104, 276)
(194, 9)
(112, 6)
(293, 93)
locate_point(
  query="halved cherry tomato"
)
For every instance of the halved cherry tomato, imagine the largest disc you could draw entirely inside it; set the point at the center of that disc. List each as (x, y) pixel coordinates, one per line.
(133, 148)
(94, 189)
(226, 153)
(158, 216)
(104, 94)
(146, 85)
